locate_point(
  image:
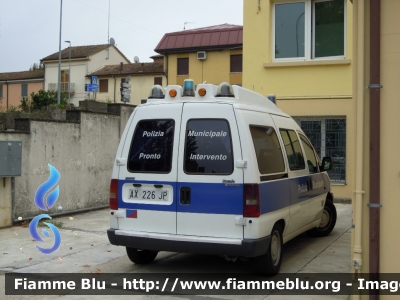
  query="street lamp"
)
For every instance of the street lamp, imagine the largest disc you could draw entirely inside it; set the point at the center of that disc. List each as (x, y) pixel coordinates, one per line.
(69, 73)
(59, 57)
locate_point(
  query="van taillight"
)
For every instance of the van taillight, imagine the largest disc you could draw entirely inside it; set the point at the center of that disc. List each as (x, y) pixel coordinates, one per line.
(251, 201)
(114, 194)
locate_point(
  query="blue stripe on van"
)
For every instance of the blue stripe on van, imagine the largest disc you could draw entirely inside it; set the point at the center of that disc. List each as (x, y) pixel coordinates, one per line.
(216, 198)
(275, 195)
(213, 198)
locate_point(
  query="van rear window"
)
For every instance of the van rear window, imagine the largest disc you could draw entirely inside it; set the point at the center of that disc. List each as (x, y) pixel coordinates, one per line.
(208, 147)
(152, 145)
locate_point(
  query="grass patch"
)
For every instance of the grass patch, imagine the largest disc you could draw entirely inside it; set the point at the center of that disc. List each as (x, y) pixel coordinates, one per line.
(58, 224)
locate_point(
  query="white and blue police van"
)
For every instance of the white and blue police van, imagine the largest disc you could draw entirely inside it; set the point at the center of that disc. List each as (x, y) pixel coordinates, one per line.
(218, 170)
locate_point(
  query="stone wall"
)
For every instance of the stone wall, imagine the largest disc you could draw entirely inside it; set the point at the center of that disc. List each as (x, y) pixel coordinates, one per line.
(82, 148)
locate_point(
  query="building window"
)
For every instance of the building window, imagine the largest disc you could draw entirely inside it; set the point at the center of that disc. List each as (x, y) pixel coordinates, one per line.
(310, 29)
(103, 88)
(1, 91)
(24, 90)
(328, 136)
(64, 81)
(236, 63)
(158, 80)
(183, 66)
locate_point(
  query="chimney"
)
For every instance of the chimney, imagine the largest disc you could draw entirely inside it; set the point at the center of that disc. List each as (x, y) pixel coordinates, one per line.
(121, 66)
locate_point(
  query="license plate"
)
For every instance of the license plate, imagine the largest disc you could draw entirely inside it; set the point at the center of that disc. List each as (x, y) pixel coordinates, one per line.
(148, 194)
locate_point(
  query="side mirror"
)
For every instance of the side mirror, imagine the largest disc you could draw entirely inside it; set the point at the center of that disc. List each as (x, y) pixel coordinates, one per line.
(326, 164)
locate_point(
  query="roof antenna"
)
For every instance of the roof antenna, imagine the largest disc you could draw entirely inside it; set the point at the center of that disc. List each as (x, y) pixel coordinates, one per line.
(184, 24)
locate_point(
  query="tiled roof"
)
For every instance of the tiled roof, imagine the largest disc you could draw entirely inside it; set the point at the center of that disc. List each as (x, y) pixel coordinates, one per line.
(130, 69)
(218, 36)
(80, 52)
(37, 74)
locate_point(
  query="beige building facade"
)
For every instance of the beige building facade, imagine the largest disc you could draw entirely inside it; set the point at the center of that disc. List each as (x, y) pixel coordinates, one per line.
(143, 76)
(76, 63)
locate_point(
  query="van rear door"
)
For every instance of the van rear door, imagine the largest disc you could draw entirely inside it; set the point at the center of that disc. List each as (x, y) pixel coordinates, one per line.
(147, 183)
(210, 185)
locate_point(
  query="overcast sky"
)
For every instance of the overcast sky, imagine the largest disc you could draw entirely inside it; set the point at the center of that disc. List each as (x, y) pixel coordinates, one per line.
(29, 29)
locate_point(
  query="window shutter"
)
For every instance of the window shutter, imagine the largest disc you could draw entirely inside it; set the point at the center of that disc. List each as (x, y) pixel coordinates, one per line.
(158, 80)
(24, 90)
(236, 63)
(103, 85)
(183, 66)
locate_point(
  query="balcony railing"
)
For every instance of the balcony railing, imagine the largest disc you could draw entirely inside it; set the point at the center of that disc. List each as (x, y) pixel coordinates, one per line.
(63, 87)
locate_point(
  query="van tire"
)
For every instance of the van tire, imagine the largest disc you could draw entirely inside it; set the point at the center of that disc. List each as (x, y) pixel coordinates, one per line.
(270, 262)
(141, 257)
(328, 221)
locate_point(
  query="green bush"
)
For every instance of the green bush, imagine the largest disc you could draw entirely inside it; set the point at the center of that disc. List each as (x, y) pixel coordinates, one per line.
(41, 99)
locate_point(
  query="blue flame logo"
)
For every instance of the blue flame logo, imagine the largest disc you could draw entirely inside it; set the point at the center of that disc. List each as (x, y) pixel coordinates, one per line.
(34, 234)
(45, 187)
(52, 197)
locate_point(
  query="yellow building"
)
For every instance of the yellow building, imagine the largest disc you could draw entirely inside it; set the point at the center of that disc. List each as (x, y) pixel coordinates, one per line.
(212, 54)
(375, 244)
(301, 51)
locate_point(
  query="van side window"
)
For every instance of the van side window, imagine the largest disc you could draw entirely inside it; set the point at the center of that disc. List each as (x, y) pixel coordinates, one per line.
(268, 150)
(310, 155)
(293, 150)
(208, 147)
(152, 145)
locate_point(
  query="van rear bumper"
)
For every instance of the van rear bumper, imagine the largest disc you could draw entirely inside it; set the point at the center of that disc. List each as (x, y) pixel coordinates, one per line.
(245, 247)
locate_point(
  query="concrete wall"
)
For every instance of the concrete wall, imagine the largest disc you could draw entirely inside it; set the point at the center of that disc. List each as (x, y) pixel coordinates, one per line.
(316, 88)
(82, 149)
(5, 201)
(215, 69)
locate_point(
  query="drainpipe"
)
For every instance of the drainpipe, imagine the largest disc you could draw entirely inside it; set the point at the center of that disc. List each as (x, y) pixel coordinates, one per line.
(374, 131)
(166, 69)
(115, 86)
(7, 93)
(358, 93)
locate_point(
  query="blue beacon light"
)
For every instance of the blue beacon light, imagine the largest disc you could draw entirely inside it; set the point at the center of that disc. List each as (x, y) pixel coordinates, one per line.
(188, 88)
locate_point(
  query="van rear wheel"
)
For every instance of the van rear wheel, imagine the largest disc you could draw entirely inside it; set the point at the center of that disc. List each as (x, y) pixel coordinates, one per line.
(270, 263)
(141, 257)
(328, 221)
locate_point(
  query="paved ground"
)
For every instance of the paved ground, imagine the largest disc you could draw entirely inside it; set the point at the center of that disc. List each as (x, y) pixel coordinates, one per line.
(85, 249)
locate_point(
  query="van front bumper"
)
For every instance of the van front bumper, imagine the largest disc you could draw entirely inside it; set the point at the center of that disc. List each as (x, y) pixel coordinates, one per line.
(189, 244)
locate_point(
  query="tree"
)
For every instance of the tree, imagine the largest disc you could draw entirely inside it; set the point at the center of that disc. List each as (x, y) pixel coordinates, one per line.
(36, 66)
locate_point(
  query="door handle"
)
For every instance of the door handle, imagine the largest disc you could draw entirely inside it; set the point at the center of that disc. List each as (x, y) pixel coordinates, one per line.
(309, 184)
(184, 195)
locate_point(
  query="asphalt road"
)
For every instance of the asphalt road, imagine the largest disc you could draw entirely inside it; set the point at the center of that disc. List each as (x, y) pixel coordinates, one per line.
(85, 249)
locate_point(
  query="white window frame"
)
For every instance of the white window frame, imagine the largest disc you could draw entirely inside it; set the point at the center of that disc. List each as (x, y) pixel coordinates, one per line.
(309, 32)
